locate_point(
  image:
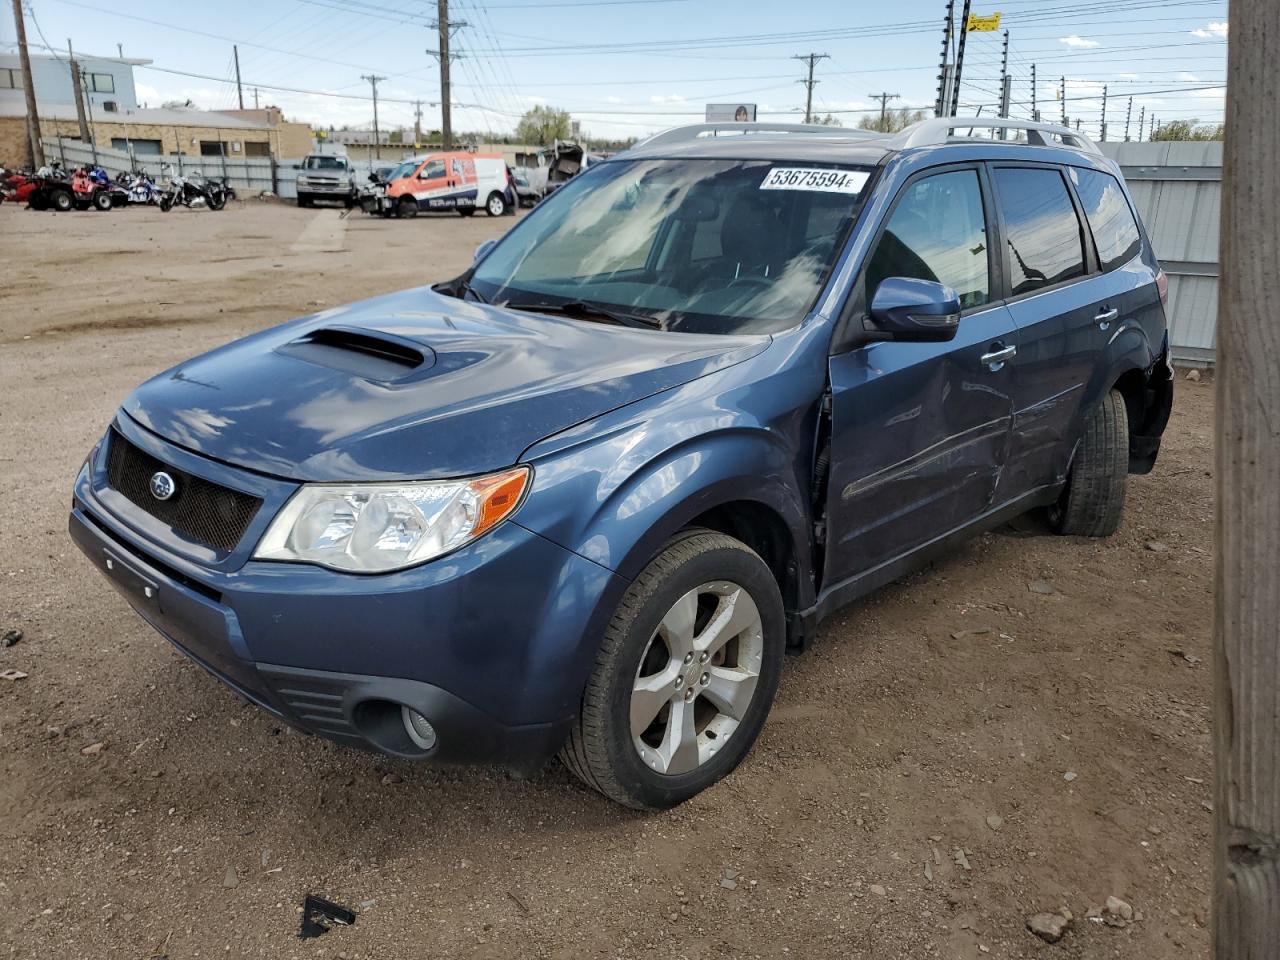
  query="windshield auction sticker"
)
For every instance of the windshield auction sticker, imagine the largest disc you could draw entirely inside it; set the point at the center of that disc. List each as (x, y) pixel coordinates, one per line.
(812, 178)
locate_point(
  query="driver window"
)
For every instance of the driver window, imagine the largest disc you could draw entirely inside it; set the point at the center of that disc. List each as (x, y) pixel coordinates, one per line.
(433, 169)
(937, 232)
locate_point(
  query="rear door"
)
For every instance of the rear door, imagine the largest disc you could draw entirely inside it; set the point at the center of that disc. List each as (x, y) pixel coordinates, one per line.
(1060, 313)
(919, 431)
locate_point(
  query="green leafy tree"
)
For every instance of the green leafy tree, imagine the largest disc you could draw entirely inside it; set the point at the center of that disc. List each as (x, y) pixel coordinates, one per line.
(1187, 130)
(895, 119)
(543, 124)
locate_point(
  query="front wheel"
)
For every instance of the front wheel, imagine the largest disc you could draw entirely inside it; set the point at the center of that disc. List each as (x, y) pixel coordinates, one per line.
(466, 211)
(496, 205)
(407, 208)
(62, 200)
(216, 200)
(166, 204)
(102, 200)
(1093, 501)
(684, 677)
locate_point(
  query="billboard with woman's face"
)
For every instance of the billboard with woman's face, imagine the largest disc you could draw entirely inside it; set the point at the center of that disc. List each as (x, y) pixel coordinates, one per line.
(731, 112)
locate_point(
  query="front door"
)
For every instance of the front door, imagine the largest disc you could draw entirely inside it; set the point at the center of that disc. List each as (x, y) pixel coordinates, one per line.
(919, 431)
(433, 184)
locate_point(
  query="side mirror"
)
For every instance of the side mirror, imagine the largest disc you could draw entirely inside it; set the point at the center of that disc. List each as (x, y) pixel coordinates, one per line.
(483, 250)
(920, 310)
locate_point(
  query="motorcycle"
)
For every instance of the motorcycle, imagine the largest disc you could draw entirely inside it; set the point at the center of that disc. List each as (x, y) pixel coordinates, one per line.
(191, 191)
(138, 188)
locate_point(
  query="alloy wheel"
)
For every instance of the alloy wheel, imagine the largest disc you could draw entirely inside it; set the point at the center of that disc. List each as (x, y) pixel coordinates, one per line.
(697, 677)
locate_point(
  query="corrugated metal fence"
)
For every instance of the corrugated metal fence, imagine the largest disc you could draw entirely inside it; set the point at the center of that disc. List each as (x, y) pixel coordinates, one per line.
(1178, 190)
(249, 175)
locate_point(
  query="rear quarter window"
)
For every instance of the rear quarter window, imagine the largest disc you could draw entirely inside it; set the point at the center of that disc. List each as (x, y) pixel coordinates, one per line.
(1115, 232)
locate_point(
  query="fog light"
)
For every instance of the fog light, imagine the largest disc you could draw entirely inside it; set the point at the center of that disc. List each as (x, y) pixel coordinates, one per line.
(420, 731)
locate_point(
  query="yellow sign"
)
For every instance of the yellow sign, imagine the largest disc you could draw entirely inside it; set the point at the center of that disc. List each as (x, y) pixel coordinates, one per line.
(979, 24)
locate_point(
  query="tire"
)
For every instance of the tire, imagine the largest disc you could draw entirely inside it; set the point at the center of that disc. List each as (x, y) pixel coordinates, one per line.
(1092, 503)
(304, 200)
(38, 201)
(496, 205)
(407, 208)
(61, 200)
(466, 211)
(693, 581)
(166, 204)
(101, 200)
(216, 200)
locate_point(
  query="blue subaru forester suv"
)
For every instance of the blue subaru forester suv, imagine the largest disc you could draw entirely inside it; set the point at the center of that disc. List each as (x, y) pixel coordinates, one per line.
(581, 498)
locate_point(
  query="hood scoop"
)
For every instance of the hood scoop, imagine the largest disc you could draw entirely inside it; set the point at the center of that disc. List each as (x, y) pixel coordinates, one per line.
(362, 352)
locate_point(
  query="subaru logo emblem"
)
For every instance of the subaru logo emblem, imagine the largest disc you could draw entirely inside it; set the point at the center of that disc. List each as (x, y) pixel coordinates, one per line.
(163, 486)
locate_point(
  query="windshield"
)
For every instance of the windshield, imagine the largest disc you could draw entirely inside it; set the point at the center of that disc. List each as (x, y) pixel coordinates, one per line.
(404, 170)
(324, 163)
(699, 246)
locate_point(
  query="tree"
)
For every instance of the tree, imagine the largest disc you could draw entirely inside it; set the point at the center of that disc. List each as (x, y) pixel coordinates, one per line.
(829, 121)
(1187, 130)
(543, 124)
(895, 119)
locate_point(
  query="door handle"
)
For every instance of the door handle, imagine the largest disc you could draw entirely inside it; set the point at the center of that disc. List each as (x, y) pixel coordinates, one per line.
(995, 359)
(1103, 320)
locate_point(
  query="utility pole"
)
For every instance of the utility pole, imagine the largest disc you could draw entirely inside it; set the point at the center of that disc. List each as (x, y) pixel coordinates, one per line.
(1035, 109)
(1246, 801)
(812, 59)
(255, 98)
(1142, 119)
(941, 105)
(1104, 113)
(445, 28)
(1063, 98)
(34, 146)
(373, 82)
(1005, 89)
(417, 123)
(78, 84)
(235, 53)
(1153, 129)
(1128, 116)
(884, 99)
(959, 70)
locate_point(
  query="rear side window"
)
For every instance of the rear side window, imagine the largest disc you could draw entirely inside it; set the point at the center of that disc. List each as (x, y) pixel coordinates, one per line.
(936, 232)
(1115, 232)
(1041, 228)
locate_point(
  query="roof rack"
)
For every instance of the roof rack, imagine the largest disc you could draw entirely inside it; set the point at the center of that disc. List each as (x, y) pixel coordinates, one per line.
(928, 133)
(696, 131)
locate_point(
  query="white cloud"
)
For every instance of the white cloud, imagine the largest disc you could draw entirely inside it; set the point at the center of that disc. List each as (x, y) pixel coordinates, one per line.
(1188, 78)
(666, 98)
(612, 99)
(1077, 41)
(1214, 30)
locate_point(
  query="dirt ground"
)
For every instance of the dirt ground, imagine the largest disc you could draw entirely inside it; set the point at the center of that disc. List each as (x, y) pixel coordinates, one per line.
(957, 752)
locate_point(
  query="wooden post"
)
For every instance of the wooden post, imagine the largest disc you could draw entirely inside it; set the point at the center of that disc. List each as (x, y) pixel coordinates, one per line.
(1246, 898)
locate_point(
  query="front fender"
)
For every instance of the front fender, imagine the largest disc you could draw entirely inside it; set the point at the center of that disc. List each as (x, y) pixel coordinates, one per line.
(620, 499)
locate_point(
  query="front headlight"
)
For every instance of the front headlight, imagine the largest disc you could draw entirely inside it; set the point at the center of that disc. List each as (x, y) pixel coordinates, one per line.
(380, 527)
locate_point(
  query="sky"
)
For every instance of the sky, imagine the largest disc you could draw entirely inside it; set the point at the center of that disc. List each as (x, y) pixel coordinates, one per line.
(626, 68)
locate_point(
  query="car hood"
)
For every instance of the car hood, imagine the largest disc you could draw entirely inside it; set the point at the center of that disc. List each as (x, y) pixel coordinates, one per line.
(413, 385)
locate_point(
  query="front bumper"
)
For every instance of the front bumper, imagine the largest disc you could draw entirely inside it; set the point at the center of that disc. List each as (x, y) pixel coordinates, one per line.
(491, 644)
(325, 189)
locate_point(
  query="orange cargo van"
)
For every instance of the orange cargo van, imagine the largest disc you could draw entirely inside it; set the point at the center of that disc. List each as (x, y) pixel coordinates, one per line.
(455, 180)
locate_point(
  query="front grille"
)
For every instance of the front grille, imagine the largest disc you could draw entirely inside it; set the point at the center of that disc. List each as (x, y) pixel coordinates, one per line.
(199, 509)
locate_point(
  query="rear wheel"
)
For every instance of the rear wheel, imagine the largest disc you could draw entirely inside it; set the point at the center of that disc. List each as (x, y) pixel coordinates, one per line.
(684, 677)
(407, 208)
(304, 200)
(60, 199)
(101, 200)
(1093, 501)
(496, 205)
(466, 211)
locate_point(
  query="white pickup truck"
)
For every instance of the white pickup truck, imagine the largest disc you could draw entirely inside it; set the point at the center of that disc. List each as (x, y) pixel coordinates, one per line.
(325, 176)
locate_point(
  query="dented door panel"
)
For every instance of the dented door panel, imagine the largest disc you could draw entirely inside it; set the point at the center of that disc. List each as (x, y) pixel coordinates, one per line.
(920, 432)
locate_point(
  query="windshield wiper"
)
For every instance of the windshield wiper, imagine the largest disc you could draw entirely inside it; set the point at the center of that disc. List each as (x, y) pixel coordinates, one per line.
(586, 310)
(465, 287)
